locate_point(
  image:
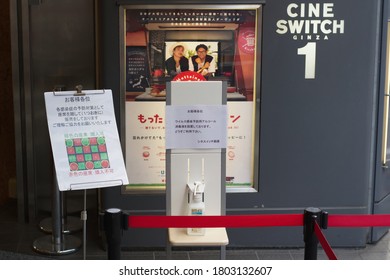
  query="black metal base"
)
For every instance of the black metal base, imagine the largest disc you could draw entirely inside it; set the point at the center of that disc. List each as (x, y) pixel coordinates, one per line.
(45, 245)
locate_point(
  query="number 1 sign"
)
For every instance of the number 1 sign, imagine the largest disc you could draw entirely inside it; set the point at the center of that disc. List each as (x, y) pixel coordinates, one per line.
(309, 51)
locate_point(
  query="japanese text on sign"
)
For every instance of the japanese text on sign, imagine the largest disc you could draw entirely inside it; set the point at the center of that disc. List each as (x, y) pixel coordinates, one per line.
(72, 114)
(201, 126)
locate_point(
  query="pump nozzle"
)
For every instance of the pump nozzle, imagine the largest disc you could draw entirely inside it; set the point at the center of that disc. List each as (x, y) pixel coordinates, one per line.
(196, 187)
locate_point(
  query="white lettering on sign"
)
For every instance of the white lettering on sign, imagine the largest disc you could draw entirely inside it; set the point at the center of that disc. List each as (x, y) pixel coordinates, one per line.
(309, 51)
(310, 27)
(310, 22)
(310, 10)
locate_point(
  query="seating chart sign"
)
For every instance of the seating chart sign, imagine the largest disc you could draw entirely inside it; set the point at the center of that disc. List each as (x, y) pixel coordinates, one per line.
(84, 139)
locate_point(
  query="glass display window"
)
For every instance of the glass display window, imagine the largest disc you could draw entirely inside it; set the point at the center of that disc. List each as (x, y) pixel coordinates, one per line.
(218, 42)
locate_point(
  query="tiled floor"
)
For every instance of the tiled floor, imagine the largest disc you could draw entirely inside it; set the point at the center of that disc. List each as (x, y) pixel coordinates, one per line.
(16, 241)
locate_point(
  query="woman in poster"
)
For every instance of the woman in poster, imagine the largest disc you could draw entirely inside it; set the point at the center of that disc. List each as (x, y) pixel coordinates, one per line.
(177, 63)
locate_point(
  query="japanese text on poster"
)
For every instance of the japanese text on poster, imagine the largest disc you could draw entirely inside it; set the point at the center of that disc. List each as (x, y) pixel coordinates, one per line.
(145, 144)
(136, 69)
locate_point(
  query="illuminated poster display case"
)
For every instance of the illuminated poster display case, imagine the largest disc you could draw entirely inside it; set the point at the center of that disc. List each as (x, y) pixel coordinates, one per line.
(158, 42)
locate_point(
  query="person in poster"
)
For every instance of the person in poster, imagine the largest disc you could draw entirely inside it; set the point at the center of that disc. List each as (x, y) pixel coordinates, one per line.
(177, 63)
(202, 63)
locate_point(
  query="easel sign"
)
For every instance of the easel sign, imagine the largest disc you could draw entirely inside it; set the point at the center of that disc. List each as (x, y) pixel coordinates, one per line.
(84, 138)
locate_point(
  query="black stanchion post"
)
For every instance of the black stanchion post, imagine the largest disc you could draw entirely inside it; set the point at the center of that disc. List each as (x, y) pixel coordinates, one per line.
(113, 229)
(311, 215)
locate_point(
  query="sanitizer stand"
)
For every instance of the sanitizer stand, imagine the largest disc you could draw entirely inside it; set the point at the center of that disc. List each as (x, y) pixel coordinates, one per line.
(185, 165)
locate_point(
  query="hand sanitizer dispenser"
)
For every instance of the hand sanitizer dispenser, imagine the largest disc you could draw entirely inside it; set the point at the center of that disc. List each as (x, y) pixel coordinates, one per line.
(196, 205)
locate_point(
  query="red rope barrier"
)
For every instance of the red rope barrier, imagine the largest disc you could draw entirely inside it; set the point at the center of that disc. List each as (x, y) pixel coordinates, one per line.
(273, 220)
(377, 220)
(324, 243)
(241, 221)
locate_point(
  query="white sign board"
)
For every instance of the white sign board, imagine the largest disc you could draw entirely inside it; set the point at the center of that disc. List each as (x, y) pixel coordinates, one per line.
(84, 139)
(196, 126)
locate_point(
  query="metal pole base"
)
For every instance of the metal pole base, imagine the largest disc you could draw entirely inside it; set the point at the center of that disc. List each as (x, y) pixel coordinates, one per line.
(45, 245)
(72, 225)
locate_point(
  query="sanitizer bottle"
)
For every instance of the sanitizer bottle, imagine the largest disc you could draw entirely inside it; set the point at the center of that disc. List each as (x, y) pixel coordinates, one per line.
(196, 206)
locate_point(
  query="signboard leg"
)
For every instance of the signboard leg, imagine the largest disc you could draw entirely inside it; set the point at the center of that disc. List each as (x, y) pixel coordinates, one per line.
(57, 243)
(71, 224)
(84, 219)
(169, 248)
(223, 253)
